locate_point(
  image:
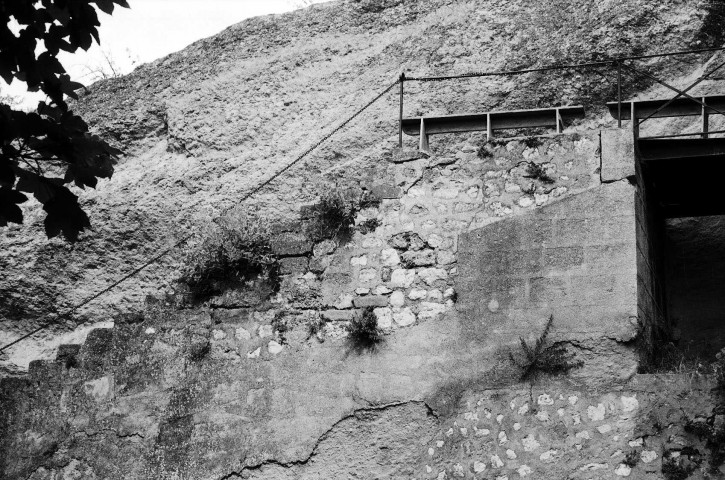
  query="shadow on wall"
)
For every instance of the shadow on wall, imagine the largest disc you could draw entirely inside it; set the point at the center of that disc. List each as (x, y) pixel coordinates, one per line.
(695, 281)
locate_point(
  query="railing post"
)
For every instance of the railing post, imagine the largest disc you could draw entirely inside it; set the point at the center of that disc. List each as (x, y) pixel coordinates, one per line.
(489, 128)
(559, 122)
(400, 118)
(635, 122)
(423, 142)
(619, 93)
(705, 119)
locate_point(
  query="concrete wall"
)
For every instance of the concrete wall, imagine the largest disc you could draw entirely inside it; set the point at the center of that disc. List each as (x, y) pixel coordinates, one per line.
(574, 260)
(657, 330)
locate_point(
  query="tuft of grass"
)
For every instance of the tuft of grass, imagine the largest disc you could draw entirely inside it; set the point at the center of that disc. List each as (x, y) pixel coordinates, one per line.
(484, 152)
(316, 328)
(334, 216)
(543, 358)
(199, 350)
(234, 252)
(363, 331)
(532, 142)
(537, 172)
(678, 468)
(632, 458)
(279, 325)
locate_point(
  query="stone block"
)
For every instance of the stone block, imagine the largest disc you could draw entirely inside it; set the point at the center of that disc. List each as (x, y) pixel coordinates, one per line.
(407, 241)
(401, 278)
(548, 290)
(398, 155)
(289, 243)
(368, 275)
(404, 317)
(389, 257)
(371, 301)
(431, 275)
(320, 264)
(325, 247)
(339, 315)
(293, 265)
(421, 258)
(563, 258)
(385, 318)
(430, 310)
(446, 258)
(617, 153)
(397, 299)
(386, 191)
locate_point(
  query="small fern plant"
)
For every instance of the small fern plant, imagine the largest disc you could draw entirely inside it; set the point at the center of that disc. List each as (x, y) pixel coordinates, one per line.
(542, 358)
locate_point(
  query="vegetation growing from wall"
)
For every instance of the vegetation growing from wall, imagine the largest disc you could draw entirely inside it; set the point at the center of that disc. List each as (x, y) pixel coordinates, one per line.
(334, 216)
(233, 252)
(711, 33)
(484, 152)
(363, 331)
(543, 358)
(537, 172)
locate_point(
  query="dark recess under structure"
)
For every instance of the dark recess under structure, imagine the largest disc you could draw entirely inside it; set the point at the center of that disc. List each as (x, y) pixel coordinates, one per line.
(683, 209)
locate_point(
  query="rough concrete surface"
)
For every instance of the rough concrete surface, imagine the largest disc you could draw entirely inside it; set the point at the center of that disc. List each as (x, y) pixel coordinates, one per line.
(201, 126)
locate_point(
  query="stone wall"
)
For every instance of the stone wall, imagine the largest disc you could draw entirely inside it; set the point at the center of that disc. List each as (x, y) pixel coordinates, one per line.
(406, 269)
(475, 247)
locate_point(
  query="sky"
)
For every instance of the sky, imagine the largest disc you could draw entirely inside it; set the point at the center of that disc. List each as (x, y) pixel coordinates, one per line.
(152, 29)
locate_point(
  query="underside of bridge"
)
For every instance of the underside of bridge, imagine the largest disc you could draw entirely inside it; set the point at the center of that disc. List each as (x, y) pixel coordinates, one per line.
(683, 180)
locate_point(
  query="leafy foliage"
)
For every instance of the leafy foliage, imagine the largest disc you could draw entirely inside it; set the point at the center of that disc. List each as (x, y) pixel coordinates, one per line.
(369, 226)
(484, 152)
(234, 251)
(334, 216)
(678, 468)
(363, 331)
(316, 328)
(43, 151)
(551, 359)
(632, 458)
(537, 172)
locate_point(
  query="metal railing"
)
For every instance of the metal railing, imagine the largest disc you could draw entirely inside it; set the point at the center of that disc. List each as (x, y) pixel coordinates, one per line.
(620, 64)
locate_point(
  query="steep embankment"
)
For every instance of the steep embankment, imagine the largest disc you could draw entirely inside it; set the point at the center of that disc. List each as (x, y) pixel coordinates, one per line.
(202, 126)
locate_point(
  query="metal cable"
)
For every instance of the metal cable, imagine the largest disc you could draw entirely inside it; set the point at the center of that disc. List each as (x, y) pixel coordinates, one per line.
(333, 132)
(185, 239)
(601, 63)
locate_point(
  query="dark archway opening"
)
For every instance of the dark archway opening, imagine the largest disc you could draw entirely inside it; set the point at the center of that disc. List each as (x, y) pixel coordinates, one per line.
(695, 284)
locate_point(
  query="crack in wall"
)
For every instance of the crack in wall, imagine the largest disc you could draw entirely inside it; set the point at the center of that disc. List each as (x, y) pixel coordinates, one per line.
(354, 415)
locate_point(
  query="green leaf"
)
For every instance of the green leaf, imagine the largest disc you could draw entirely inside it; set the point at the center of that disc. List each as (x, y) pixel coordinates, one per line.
(106, 6)
(9, 210)
(65, 215)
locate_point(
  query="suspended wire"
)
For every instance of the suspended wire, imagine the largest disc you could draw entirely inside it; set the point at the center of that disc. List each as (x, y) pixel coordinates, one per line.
(601, 63)
(185, 239)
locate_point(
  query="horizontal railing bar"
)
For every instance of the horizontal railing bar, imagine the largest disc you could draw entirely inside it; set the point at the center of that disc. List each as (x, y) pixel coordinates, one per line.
(600, 63)
(682, 135)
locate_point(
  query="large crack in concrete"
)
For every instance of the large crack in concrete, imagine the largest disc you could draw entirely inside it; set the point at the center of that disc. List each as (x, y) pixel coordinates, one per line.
(314, 451)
